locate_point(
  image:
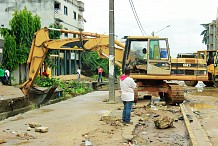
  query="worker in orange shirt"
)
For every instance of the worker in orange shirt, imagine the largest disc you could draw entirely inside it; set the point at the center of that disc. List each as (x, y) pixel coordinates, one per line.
(100, 71)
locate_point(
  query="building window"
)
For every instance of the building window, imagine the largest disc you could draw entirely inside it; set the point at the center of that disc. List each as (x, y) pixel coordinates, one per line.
(74, 15)
(66, 34)
(65, 10)
(57, 5)
(74, 35)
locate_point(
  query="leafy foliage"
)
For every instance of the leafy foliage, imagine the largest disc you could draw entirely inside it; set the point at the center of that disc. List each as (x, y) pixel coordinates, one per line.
(9, 56)
(71, 87)
(55, 34)
(23, 26)
(91, 61)
(205, 33)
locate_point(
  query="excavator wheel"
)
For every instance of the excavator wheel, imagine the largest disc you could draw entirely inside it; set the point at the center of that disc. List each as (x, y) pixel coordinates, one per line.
(208, 83)
(191, 83)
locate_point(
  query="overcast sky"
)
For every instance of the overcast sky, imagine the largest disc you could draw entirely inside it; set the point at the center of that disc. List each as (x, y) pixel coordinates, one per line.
(183, 16)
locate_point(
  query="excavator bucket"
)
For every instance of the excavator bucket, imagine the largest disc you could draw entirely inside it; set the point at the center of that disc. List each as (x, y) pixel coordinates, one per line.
(39, 96)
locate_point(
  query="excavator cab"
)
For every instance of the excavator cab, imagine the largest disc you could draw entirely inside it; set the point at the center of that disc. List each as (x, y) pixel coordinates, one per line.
(147, 55)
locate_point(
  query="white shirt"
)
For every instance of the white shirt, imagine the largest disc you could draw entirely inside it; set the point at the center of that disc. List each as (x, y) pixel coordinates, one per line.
(7, 72)
(127, 89)
(79, 71)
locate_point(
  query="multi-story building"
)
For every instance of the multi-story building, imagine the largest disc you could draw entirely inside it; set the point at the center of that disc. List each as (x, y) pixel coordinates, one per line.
(211, 36)
(69, 13)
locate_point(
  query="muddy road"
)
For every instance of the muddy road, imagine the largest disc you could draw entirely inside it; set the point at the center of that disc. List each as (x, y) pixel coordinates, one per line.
(89, 120)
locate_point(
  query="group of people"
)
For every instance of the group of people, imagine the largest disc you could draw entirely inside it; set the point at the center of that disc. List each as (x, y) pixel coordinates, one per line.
(100, 71)
(4, 76)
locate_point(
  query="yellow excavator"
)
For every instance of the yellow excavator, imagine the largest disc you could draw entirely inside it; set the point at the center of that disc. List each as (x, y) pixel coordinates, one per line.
(41, 43)
(210, 56)
(147, 56)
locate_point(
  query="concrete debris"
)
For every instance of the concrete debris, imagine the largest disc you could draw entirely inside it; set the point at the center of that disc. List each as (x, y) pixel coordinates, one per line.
(41, 129)
(164, 122)
(2, 141)
(34, 125)
(25, 136)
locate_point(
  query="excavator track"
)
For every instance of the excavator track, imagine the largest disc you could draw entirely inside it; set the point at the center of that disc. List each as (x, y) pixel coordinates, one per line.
(175, 94)
(172, 93)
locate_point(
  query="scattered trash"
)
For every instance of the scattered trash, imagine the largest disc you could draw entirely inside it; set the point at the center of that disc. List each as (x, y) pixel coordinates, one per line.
(88, 143)
(28, 128)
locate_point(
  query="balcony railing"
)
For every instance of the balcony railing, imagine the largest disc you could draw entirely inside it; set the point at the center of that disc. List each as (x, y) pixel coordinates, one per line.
(58, 15)
(81, 25)
(81, 6)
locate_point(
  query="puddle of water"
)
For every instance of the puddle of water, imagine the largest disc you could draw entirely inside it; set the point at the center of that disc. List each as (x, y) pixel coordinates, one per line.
(200, 106)
(207, 92)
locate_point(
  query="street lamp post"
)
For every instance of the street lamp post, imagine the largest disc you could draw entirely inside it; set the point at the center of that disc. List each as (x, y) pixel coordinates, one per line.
(159, 30)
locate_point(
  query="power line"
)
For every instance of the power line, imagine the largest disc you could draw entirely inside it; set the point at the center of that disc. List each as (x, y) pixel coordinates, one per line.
(137, 18)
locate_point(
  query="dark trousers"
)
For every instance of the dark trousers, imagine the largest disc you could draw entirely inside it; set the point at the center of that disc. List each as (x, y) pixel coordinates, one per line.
(100, 77)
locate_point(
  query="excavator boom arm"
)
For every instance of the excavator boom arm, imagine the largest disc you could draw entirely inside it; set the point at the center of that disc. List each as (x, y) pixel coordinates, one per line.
(86, 41)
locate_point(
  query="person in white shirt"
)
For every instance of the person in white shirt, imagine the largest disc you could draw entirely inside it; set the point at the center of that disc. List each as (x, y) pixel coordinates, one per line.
(7, 74)
(78, 73)
(127, 85)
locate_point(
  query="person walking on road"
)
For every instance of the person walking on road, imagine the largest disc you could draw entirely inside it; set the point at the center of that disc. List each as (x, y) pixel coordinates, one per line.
(100, 71)
(78, 73)
(127, 85)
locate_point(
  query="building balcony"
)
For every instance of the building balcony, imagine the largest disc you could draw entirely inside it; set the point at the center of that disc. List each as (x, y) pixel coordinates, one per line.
(81, 6)
(81, 25)
(58, 15)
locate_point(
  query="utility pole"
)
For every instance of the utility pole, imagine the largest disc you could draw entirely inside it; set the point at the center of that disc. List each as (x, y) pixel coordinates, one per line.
(111, 52)
(216, 32)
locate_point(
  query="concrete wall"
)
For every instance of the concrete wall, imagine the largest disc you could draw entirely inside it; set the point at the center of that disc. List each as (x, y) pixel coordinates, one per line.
(19, 75)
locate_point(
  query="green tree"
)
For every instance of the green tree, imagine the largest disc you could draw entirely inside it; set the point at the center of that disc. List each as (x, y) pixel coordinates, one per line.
(205, 33)
(91, 61)
(9, 61)
(23, 25)
(55, 34)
